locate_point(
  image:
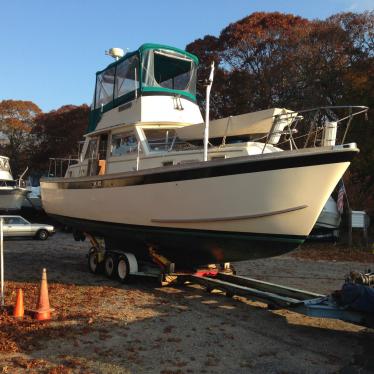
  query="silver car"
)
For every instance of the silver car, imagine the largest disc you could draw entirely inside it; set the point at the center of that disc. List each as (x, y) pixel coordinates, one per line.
(18, 226)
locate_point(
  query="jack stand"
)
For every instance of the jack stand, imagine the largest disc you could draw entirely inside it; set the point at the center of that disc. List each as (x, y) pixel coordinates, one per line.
(96, 253)
(167, 267)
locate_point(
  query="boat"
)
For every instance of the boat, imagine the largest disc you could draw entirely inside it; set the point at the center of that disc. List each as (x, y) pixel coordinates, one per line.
(12, 193)
(328, 223)
(330, 217)
(33, 200)
(144, 182)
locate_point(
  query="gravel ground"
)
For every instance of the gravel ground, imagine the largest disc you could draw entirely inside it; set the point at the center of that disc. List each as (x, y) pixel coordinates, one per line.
(101, 326)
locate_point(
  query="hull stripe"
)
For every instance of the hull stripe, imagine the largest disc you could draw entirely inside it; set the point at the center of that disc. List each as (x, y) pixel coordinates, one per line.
(235, 218)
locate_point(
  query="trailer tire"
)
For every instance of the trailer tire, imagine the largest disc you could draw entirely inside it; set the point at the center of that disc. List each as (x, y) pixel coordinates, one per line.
(93, 265)
(123, 269)
(110, 265)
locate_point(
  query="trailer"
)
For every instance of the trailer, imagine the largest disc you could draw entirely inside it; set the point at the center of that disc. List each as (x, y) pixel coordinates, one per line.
(281, 297)
(124, 266)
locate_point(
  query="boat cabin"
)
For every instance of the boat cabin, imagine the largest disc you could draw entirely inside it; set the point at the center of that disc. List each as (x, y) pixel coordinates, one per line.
(148, 145)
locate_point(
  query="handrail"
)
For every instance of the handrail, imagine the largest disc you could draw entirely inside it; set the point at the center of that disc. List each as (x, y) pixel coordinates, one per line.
(57, 164)
(317, 124)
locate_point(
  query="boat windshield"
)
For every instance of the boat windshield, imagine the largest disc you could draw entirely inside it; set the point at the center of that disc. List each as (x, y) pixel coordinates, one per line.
(165, 140)
(160, 139)
(167, 70)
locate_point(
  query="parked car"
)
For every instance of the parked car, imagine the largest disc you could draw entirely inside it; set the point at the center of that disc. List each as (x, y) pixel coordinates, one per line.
(18, 226)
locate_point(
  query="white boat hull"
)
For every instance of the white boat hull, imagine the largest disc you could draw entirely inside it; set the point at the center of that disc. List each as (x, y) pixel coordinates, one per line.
(278, 205)
(12, 198)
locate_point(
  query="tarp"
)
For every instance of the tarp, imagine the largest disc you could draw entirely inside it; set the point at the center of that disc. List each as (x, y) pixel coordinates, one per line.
(358, 297)
(260, 122)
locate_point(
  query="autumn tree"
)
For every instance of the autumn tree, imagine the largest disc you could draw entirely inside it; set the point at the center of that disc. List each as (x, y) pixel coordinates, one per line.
(17, 120)
(59, 132)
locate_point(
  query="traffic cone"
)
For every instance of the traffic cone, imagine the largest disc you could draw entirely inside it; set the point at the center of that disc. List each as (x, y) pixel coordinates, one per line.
(43, 312)
(19, 310)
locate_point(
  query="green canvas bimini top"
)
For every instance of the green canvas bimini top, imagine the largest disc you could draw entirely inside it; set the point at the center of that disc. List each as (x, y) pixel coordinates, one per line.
(155, 69)
(148, 46)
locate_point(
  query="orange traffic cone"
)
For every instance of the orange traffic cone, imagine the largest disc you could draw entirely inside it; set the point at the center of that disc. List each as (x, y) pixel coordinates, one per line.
(19, 310)
(43, 312)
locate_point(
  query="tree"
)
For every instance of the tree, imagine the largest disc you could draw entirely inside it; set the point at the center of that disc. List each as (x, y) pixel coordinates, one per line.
(17, 120)
(59, 132)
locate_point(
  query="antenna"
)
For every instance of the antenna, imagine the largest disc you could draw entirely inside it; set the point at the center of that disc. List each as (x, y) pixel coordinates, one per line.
(116, 53)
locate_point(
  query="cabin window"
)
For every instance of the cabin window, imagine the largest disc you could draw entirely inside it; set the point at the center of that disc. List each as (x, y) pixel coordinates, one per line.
(160, 139)
(91, 149)
(169, 69)
(123, 144)
(127, 76)
(105, 87)
(7, 183)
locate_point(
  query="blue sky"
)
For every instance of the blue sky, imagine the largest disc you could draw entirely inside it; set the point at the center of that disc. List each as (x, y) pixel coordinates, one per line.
(50, 49)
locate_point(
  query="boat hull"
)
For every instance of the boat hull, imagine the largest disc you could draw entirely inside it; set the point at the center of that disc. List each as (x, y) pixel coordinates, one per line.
(11, 199)
(219, 211)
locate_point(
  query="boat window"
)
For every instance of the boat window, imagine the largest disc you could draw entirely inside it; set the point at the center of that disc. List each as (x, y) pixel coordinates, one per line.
(4, 164)
(169, 69)
(8, 183)
(91, 149)
(160, 139)
(123, 143)
(104, 87)
(127, 76)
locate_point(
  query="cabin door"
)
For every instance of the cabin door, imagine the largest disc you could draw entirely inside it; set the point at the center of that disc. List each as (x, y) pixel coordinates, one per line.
(103, 149)
(96, 155)
(91, 156)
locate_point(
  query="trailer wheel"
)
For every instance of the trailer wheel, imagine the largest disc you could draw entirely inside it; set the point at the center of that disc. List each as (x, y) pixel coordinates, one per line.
(110, 265)
(123, 269)
(93, 264)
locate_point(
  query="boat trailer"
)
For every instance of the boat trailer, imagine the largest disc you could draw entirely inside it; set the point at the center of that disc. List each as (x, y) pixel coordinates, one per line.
(124, 265)
(281, 297)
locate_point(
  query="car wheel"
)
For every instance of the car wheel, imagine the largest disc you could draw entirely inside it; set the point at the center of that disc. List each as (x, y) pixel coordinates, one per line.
(42, 234)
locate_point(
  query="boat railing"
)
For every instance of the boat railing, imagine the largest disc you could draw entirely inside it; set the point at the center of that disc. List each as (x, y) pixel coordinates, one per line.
(316, 127)
(58, 166)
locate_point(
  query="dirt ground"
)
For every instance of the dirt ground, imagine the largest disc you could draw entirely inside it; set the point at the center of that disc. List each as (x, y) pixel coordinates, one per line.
(102, 326)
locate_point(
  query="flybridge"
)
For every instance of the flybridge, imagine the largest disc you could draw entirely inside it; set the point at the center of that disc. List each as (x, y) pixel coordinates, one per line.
(153, 69)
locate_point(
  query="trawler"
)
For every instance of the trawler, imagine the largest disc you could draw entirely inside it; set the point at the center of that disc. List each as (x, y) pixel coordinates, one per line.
(145, 183)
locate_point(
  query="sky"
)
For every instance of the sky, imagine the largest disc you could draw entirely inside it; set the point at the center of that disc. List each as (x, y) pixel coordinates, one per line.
(51, 49)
